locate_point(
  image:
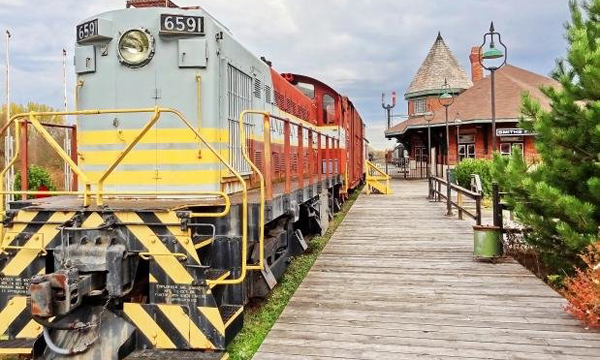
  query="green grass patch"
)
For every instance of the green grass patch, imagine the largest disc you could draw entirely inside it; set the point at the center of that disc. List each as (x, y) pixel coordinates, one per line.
(260, 317)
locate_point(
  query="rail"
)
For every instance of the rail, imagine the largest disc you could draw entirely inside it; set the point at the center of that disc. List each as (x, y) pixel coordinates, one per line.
(261, 229)
(436, 194)
(265, 175)
(19, 120)
(374, 178)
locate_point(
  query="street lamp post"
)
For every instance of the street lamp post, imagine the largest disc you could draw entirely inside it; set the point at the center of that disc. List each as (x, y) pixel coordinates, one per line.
(388, 108)
(458, 121)
(428, 116)
(446, 99)
(493, 53)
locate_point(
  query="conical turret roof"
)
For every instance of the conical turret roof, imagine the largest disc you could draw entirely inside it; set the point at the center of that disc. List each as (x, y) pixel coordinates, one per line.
(440, 64)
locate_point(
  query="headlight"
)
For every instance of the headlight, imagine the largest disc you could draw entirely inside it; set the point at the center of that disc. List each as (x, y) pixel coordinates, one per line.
(136, 47)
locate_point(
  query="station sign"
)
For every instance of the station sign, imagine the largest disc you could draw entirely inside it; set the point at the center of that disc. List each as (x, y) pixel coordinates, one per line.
(513, 132)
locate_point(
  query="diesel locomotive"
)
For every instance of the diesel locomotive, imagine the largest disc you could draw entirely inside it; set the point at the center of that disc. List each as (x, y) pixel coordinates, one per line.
(199, 171)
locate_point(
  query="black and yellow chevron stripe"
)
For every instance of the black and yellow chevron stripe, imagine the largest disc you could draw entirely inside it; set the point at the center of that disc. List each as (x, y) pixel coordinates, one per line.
(177, 326)
(162, 242)
(193, 323)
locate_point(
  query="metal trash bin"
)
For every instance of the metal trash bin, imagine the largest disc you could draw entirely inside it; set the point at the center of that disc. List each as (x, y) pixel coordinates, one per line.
(487, 242)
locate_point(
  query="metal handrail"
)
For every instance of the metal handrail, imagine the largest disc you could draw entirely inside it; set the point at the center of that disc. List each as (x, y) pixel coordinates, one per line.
(261, 229)
(156, 111)
(369, 166)
(436, 194)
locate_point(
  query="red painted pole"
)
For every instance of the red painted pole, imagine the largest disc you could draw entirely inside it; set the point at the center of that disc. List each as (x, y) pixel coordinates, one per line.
(268, 170)
(311, 157)
(327, 157)
(287, 154)
(320, 159)
(300, 158)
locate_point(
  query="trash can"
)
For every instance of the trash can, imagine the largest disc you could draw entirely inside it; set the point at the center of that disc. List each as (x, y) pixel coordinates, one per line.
(487, 243)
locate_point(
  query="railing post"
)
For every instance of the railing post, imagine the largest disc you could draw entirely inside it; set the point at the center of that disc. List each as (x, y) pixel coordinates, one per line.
(268, 170)
(478, 209)
(300, 170)
(497, 208)
(24, 160)
(287, 155)
(429, 188)
(311, 155)
(327, 158)
(319, 158)
(448, 197)
(74, 157)
(460, 203)
(338, 157)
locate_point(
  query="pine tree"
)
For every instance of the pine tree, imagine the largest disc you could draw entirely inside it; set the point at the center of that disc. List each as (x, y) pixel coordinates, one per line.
(559, 198)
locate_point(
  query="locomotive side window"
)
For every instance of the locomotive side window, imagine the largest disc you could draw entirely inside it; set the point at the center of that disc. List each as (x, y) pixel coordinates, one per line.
(307, 89)
(328, 109)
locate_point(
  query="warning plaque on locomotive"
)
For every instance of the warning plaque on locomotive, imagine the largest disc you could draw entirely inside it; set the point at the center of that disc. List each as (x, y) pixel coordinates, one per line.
(181, 25)
(13, 285)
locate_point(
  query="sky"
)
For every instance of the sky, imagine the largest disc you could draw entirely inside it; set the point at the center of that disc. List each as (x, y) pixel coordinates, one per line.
(360, 47)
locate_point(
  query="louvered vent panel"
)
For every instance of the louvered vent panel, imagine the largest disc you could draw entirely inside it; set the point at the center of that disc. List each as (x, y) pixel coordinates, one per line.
(268, 97)
(257, 88)
(275, 162)
(258, 160)
(295, 162)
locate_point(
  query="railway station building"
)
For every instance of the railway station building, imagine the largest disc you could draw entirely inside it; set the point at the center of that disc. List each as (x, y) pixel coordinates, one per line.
(469, 117)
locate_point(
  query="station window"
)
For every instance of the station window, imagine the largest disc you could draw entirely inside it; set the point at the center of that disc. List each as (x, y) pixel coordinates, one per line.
(466, 147)
(328, 109)
(420, 106)
(307, 89)
(507, 148)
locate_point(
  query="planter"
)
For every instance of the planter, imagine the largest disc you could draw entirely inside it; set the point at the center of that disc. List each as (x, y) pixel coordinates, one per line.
(487, 243)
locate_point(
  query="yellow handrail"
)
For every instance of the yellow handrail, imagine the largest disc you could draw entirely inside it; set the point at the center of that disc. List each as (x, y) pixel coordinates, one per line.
(371, 179)
(372, 166)
(123, 154)
(99, 193)
(261, 229)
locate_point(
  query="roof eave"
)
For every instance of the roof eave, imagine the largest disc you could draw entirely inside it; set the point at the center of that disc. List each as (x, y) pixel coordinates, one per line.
(416, 94)
(391, 134)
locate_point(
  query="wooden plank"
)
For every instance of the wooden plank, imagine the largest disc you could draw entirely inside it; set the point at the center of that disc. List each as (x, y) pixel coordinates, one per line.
(404, 286)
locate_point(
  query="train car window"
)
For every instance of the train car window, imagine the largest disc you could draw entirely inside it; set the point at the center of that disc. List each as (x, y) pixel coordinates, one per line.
(306, 89)
(328, 109)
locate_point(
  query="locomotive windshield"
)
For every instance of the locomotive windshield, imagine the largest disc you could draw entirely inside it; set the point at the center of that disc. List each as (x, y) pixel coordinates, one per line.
(307, 89)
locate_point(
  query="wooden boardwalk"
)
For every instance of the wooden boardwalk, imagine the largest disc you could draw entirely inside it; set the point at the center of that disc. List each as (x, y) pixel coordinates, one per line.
(397, 281)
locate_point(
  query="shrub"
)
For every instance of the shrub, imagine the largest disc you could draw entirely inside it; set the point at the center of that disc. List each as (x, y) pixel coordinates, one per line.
(583, 290)
(559, 200)
(481, 167)
(37, 176)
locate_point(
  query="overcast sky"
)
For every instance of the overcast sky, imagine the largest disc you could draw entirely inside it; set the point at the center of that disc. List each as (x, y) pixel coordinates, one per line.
(360, 47)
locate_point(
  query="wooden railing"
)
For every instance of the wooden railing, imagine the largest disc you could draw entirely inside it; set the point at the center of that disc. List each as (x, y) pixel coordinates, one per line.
(437, 194)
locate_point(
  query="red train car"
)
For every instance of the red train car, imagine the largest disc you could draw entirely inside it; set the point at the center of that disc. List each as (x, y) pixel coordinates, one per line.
(336, 114)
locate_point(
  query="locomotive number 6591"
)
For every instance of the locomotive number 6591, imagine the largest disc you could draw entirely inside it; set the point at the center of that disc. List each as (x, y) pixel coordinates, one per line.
(179, 24)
